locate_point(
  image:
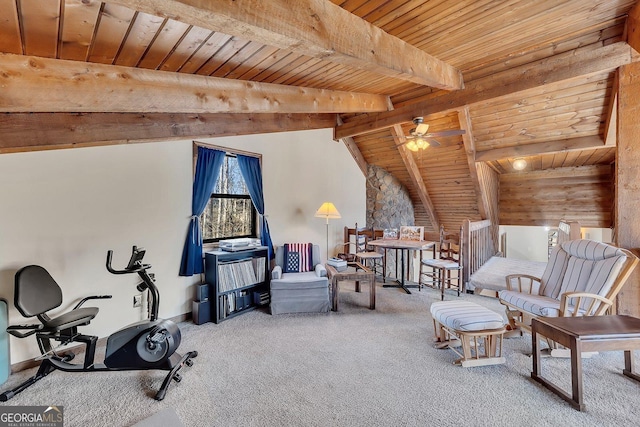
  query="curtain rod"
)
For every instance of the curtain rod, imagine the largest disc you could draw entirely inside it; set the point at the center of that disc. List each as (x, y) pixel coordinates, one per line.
(227, 149)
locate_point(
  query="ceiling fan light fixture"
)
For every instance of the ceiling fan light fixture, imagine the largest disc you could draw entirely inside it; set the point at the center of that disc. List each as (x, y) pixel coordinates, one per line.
(421, 143)
(519, 164)
(411, 145)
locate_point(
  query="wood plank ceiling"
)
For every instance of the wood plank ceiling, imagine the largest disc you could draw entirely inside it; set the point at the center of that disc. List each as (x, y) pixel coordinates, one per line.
(531, 79)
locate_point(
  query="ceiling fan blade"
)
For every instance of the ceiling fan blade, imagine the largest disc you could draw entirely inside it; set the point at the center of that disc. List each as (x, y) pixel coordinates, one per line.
(433, 142)
(452, 132)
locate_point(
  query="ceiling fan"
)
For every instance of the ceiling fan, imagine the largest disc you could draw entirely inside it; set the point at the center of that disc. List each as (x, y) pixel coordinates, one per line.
(420, 138)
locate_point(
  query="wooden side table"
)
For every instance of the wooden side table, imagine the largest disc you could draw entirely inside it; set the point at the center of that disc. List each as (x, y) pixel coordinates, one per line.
(578, 334)
(360, 274)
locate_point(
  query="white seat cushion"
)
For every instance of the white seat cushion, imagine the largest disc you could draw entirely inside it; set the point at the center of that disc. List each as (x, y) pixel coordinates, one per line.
(445, 264)
(466, 316)
(538, 305)
(295, 281)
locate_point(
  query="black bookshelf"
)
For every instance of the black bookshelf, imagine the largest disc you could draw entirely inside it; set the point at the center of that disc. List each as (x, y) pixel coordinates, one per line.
(238, 281)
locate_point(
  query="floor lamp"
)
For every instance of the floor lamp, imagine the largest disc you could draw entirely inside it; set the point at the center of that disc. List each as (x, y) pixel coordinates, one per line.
(328, 210)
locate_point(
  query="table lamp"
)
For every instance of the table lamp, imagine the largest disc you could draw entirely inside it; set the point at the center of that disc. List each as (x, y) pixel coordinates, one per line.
(327, 210)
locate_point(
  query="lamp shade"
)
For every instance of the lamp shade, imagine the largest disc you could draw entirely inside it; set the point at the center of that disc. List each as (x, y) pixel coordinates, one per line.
(328, 210)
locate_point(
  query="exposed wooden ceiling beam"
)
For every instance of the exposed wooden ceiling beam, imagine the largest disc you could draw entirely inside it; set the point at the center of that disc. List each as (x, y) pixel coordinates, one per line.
(415, 175)
(569, 65)
(558, 173)
(356, 154)
(73, 86)
(316, 28)
(633, 27)
(611, 125)
(43, 131)
(560, 146)
(355, 151)
(470, 149)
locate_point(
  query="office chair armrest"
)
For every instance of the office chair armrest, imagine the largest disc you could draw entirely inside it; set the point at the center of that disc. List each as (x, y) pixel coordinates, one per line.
(83, 300)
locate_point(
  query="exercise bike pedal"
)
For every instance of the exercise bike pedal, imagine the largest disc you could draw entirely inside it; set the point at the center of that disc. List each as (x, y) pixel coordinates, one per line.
(188, 362)
(177, 377)
(67, 357)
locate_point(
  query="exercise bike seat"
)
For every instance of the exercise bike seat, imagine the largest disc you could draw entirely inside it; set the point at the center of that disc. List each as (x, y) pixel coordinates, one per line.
(36, 292)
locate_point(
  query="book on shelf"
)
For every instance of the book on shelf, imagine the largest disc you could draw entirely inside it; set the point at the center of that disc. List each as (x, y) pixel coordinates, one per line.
(238, 274)
(259, 265)
(236, 301)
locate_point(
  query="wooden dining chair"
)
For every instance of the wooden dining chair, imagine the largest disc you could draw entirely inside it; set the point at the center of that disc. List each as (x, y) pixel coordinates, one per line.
(437, 272)
(358, 249)
(365, 254)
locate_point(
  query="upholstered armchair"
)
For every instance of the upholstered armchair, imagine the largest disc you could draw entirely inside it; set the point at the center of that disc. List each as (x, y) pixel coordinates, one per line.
(299, 282)
(582, 278)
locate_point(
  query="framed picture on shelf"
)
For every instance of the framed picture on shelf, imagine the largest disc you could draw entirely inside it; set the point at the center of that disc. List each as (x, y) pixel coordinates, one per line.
(390, 233)
(410, 232)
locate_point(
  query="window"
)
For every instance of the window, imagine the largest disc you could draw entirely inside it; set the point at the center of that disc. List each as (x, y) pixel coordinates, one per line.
(230, 212)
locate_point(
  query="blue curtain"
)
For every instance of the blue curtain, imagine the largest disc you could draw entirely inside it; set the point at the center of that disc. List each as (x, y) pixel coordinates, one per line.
(207, 170)
(252, 174)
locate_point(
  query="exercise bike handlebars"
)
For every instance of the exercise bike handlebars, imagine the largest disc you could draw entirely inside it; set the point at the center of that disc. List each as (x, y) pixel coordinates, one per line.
(135, 265)
(135, 262)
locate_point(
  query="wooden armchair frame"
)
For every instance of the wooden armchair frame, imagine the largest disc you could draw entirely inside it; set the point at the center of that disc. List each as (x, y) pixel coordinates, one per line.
(570, 302)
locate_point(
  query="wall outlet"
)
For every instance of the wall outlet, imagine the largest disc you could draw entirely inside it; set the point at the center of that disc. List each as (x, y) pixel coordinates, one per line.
(137, 300)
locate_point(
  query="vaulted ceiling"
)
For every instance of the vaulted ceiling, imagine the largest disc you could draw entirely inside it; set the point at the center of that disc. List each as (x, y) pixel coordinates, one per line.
(523, 78)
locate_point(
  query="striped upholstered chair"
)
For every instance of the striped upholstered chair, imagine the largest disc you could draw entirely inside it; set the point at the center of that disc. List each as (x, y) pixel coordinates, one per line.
(582, 278)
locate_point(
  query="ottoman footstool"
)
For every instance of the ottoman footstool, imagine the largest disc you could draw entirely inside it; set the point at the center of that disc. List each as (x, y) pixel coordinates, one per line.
(467, 323)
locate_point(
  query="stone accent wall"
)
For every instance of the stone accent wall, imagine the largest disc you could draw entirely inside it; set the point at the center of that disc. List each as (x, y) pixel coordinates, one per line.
(388, 202)
(389, 206)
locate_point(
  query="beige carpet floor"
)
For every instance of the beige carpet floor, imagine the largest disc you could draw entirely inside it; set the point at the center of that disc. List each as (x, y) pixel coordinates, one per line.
(355, 367)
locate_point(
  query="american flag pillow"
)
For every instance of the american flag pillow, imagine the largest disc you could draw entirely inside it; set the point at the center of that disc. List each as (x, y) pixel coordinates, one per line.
(297, 257)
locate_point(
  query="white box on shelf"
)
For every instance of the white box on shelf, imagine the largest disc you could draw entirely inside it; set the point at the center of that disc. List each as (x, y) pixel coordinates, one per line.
(238, 244)
(337, 263)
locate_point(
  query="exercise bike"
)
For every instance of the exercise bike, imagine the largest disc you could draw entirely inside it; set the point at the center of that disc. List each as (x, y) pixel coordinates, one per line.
(147, 344)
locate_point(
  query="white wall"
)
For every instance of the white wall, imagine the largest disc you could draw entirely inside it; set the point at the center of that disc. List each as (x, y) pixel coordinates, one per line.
(528, 243)
(64, 209)
(531, 243)
(598, 234)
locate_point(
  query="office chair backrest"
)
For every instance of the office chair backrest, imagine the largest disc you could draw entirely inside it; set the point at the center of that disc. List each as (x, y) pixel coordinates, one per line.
(35, 291)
